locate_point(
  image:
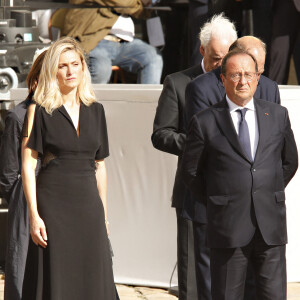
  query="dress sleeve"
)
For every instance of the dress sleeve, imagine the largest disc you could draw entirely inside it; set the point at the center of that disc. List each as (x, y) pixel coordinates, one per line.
(103, 150)
(35, 141)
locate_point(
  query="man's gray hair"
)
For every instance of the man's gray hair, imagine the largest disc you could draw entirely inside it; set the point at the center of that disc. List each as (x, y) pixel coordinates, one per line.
(218, 27)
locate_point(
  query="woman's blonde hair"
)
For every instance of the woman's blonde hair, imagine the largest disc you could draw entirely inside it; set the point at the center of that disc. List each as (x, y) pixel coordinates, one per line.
(47, 93)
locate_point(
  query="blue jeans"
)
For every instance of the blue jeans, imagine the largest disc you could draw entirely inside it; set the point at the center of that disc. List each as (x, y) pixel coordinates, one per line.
(136, 57)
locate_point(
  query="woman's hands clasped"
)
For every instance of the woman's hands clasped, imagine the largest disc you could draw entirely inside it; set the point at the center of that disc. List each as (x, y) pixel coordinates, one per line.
(38, 231)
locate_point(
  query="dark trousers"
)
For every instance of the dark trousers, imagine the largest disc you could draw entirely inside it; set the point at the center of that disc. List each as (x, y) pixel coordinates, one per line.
(233, 10)
(185, 259)
(198, 15)
(285, 30)
(175, 25)
(202, 263)
(17, 243)
(262, 24)
(229, 269)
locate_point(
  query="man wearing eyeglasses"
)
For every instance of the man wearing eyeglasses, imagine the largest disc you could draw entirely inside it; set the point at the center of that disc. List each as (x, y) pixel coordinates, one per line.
(240, 155)
(207, 90)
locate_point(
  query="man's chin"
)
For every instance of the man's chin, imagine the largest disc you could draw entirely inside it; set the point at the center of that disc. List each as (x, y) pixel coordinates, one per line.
(243, 94)
(243, 98)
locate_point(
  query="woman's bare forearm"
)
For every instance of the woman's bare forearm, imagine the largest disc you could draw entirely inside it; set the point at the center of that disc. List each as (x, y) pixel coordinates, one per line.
(29, 186)
(29, 163)
(101, 177)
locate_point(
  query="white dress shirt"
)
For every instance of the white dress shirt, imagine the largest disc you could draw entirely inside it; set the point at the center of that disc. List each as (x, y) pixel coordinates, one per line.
(202, 65)
(251, 120)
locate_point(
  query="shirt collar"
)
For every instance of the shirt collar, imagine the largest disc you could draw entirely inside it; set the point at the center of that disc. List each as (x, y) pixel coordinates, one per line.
(202, 65)
(233, 107)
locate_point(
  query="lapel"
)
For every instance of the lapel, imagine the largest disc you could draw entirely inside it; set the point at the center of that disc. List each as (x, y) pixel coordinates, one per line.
(64, 112)
(263, 122)
(224, 120)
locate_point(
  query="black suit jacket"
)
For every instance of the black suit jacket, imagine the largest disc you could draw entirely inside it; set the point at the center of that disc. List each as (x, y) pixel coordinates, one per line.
(169, 132)
(208, 89)
(240, 195)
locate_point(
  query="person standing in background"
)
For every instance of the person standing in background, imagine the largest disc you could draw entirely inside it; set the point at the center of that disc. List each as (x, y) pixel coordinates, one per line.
(285, 31)
(169, 135)
(11, 185)
(107, 35)
(198, 15)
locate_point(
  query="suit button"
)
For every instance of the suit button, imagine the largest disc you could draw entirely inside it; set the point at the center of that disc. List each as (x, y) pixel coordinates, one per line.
(253, 170)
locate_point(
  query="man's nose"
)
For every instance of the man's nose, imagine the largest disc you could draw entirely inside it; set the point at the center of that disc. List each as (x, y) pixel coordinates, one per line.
(243, 79)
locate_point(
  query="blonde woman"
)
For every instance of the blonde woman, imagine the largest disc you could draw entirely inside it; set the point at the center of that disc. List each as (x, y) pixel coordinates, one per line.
(69, 257)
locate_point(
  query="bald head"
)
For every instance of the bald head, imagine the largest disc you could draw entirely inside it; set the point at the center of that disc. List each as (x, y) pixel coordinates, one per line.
(254, 46)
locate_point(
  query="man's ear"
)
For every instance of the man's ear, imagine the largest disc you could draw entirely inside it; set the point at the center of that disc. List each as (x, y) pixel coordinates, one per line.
(222, 78)
(258, 76)
(202, 50)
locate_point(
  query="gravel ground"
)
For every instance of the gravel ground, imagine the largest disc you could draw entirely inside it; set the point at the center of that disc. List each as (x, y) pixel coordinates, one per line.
(145, 293)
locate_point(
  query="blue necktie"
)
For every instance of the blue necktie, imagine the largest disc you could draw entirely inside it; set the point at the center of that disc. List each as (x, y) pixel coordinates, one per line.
(244, 133)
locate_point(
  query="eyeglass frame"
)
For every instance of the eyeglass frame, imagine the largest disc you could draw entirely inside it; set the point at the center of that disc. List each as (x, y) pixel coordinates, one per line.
(255, 74)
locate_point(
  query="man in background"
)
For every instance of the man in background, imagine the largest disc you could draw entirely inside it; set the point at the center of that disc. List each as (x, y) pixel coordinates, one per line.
(285, 31)
(107, 35)
(169, 135)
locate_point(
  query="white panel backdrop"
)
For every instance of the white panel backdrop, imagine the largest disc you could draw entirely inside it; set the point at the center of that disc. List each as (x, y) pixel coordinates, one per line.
(142, 223)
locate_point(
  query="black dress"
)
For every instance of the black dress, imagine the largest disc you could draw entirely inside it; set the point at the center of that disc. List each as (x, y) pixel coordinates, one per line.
(76, 264)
